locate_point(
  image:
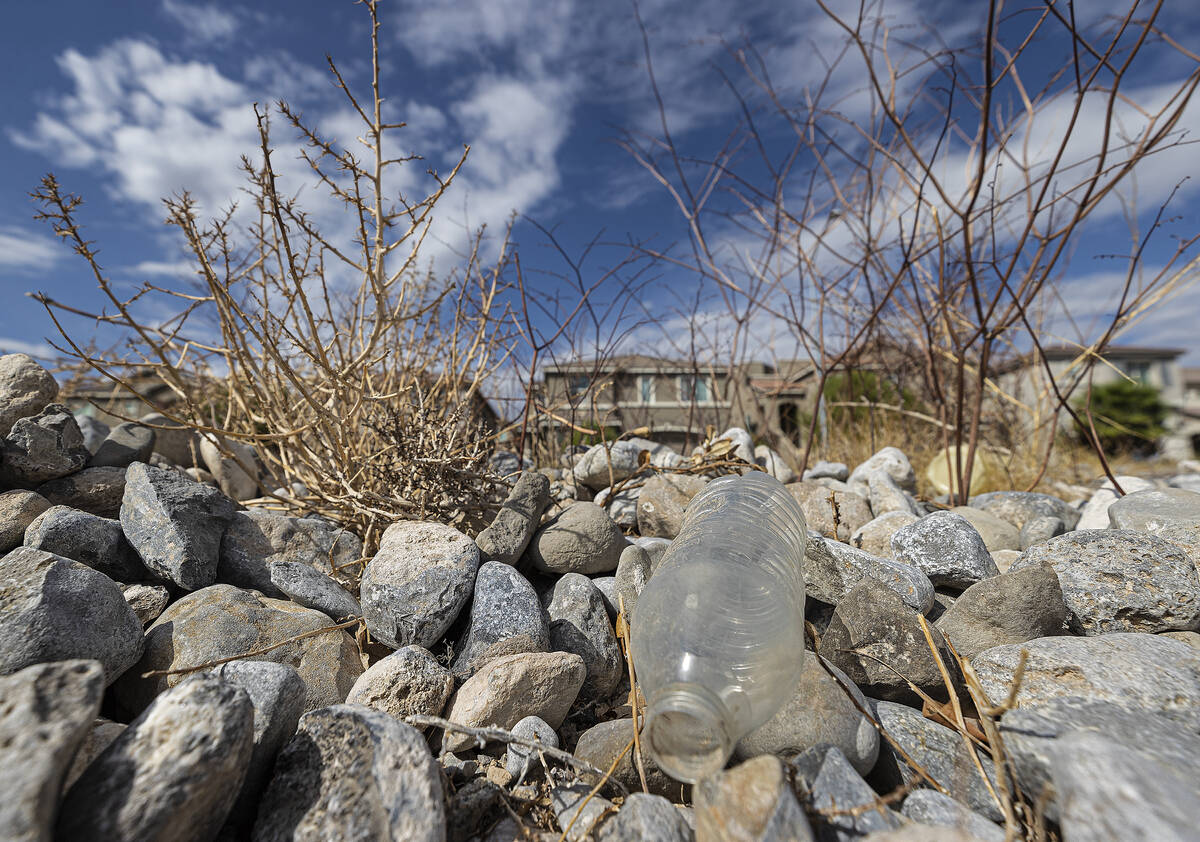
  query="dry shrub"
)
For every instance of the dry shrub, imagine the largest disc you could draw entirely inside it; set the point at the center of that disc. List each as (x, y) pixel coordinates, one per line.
(346, 367)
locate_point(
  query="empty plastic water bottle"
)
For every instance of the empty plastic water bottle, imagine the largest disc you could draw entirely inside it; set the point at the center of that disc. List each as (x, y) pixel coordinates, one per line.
(718, 632)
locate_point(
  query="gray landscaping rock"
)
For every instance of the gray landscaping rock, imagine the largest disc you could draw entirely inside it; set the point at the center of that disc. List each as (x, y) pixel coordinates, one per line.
(602, 745)
(655, 547)
(622, 508)
(1017, 507)
(579, 623)
(663, 501)
(1188, 481)
(661, 455)
(578, 811)
(890, 460)
(46, 711)
(172, 774)
(505, 612)
(1005, 559)
(875, 536)
(521, 760)
(826, 783)
(1119, 580)
(930, 807)
(95, 741)
(997, 533)
(633, 572)
(177, 444)
(947, 548)
(94, 432)
(505, 463)
(407, 682)
(125, 444)
(607, 585)
(223, 621)
(832, 569)
(25, 389)
(593, 470)
(1191, 638)
(583, 539)
(234, 481)
(276, 692)
(1033, 737)
(645, 816)
(513, 527)
(1154, 510)
(313, 589)
(1039, 529)
(418, 582)
(819, 712)
(831, 470)
(1131, 670)
(1013, 607)
(18, 509)
(1106, 792)
(1095, 513)
(752, 802)
(508, 689)
(42, 447)
(97, 491)
(917, 832)
(147, 601)
(877, 640)
(773, 463)
(95, 541)
(835, 514)
(55, 609)
(256, 539)
(886, 495)
(940, 751)
(353, 773)
(174, 524)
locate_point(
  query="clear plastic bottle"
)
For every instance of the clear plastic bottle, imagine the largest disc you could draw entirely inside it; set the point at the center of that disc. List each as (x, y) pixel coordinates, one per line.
(718, 632)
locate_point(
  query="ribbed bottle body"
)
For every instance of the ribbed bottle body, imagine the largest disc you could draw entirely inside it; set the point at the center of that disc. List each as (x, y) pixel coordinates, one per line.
(718, 632)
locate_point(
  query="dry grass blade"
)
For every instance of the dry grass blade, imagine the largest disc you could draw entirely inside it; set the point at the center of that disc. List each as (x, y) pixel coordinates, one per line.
(493, 733)
(623, 636)
(262, 650)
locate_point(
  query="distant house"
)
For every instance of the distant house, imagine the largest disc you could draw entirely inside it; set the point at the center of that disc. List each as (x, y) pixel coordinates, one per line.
(1026, 380)
(676, 399)
(112, 403)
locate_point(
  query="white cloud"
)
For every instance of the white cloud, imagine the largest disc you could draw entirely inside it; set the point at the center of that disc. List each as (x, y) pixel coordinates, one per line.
(23, 249)
(38, 350)
(203, 22)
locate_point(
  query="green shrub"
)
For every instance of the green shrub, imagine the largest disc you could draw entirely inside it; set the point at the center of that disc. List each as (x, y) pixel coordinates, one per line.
(1128, 416)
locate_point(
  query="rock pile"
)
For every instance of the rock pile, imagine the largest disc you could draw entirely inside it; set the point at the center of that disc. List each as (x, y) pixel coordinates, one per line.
(177, 663)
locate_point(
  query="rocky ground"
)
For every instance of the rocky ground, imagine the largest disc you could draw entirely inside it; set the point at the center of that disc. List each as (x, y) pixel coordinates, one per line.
(180, 662)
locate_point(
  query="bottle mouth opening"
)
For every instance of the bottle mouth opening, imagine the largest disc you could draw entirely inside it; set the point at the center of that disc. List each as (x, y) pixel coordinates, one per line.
(686, 733)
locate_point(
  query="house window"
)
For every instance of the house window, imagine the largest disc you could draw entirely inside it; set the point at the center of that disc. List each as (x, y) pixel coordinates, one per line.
(1165, 373)
(577, 384)
(1139, 371)
(646, 388)
(692, 388)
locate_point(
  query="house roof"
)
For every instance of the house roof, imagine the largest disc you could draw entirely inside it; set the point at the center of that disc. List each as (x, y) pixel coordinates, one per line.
(1070, 352)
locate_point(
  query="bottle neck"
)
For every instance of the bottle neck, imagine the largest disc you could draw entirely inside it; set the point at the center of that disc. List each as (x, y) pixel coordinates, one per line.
(688, 731)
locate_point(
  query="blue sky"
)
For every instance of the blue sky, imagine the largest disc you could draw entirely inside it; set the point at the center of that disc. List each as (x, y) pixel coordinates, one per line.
(129, 102)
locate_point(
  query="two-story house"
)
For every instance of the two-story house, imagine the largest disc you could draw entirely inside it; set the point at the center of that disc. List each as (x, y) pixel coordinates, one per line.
(1026, 381)
(676, 399)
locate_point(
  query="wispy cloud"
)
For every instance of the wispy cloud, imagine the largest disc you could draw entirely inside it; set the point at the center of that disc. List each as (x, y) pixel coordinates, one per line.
(21, 249)
(202, 22)
(39, 350)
